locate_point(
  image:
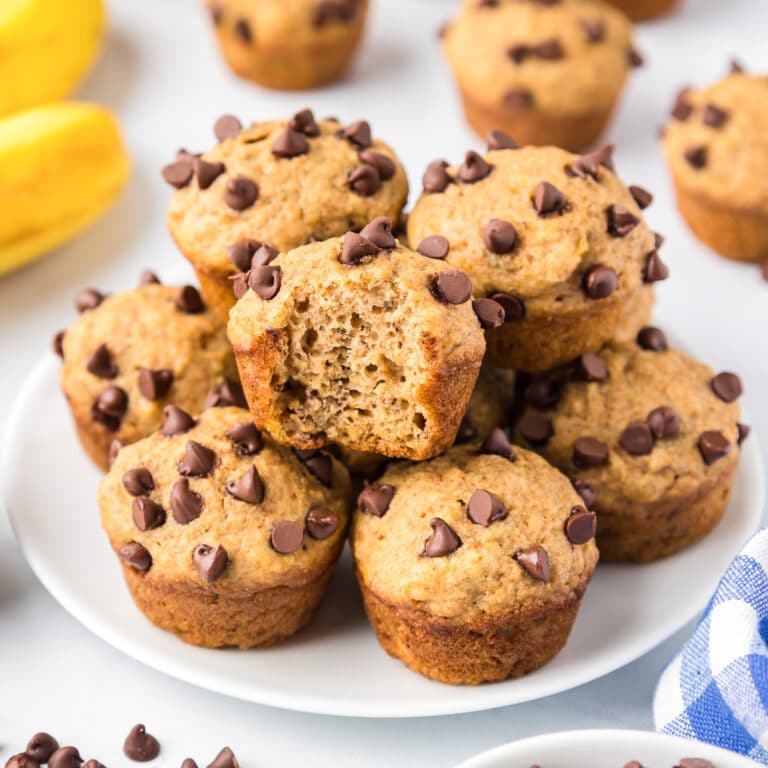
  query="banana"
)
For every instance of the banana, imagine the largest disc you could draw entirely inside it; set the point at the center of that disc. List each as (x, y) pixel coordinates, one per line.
(46, 46)
(61, 166)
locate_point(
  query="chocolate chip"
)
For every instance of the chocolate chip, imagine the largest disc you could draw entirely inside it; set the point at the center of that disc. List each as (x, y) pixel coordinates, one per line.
(682, 108)
(265, 281)
(178, 173)
(286, 537)
(727, 386)
(452, 287)
(513, 306)
(586, 490)
(599, 282)
(641, 196)
(242, 31)
(58, 344)
(379, 232)
(246, 439)
(65, 757)
(147, 514)
(694, 762)
(483, 508)
(87, 299)
(434, 247)
(637, 439)
(109, 408)
(148, 277)
(375, 499)
(225, 759)
(385, 167)
(655, 269)
(467, 430)
(581, 526)
(114, 449)
(364, 180)
(189, 300)
(535, 561)
(634, 58)
(591, 367)
(652, 339)
(549, 50)
(321, 523)
(489, 312)
(248, 487)
(176, 421)
(358, 133)
(473, 169)
(198, 460)
(265, 254)
(714, 117)
(186, 505)
(188, 762)
(542, 392)
(138, 481)
(498, 140)
(140, 746)
(241, 253)
(499, 236)
(320, 466)
(497, 444)
(154, 384)
(304, 122)
(227, 127)
(227, 394)
(519, 53)
(41, 746)
(207, 172)
(355, 248)
(696, 157)
(436, 177)
(744, 431)
(443, 540)
(211, 562)
(535, 429)
(713, 445)
(594, 29)
(139, 559)
(21, 760)
(589, 164)
(621, 221)
(241, 193)
(290, 143)
(547, 199)
(101, 364)
(664, 422)
(589, 452)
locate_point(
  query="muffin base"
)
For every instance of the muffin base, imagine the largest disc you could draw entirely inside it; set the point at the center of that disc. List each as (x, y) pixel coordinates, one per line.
(740, 234)
(642, 10)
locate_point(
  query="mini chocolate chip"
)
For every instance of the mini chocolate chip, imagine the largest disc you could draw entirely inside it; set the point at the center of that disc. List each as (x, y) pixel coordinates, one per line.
(321, 523)
(641, 196)
(41, 746)
(542, 392)
(594, 29)
(467, 430)
(586, 490)
(483, 508)
(241, 193)
(189, 300)
(599, 282)
(246, 439)
(736, 67)
(286, 537)
(497, 444)
(320, 466)
(138, 481)
(242, 31)
(513, 306)
(744, 431)
(384, 165)
(227, 127)
(265, 254)
(589, 452)
(658, 240)
(696, 157)
(21, 760)
(114, 449)
(499, 140)
(290, 143)
(178, 173)
(379, 232)
(549, 50)
(186, 505)
(211, 562)
(727, 386)
(87, 299)
(358, 133)
(154, 384)
(535, 429)
(489, 312)
(436, 177)
(148, 277)
(227, 394)
(207, 172)
(241, 253)
(443, 540)
(139, 559)
(109, 408)
(265, 281)
(452, 287)
(176, 421)
(375, 499)
(664, 422)
(248, 487)
(225, 759)
(589, 164)
(655, 269)
(101, 364)
(714, 117)
(198, 460)
(141, 746)
(547, 199)
(304, 122)
(591, 367)
(535, 561)
(652, 339)
(713, 445)
(519, 99)
(65, 757)
(58, 344)
(473, 169)
(635, 58)
(499, 236)
(217, 16)
(682, 108)
(364, 180)
(355, 248)
(147, 514)
(434, 247)
(637, 439)
(188, 762)
(519, 53)
(621, 221)
(694, 762)
(240, 285)
(581, 526)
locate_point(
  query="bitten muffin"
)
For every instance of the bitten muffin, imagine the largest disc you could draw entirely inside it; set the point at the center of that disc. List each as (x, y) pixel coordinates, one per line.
(472, 566)
(717, 152)
(642, 10)
(130, 354)
(273, 187)
(288, 44)
(358, 341)
(555, 238)
(225, 537)
(544, 72)
(649, 436)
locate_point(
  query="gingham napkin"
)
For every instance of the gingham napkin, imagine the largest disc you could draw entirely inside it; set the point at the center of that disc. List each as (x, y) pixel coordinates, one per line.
(716, 689)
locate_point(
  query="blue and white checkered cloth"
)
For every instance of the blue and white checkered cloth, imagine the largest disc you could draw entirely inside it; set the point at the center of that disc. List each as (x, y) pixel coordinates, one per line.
(716, 689)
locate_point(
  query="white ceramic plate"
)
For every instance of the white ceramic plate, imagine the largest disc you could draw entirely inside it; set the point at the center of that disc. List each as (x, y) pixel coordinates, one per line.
(603, 749)
(336, 666)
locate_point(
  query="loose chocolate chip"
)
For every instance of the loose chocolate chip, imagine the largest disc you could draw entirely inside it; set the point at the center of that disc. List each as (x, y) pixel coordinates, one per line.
(599, 282)
(499, 236)
(265, 281)
(744, 431)
(58, 344)
(355, 248)
(586, 490)
(148, 277)
(320, 466)
(227, 394)
(147, 514)
(652, 339)
(664, 422)
(178, 173)
(88, 298)
(241, 253)
(589, 164)
(109, 408)
(467, 430)
(225, 759)
(176, 421)
(188, 762)
(286, 537)
(452, 287)
(248, 487)
(497, 444)
(513, 306)
(140, 746)
(41, 746)
(241, 193)
(589, 452)
(443, 540)
(207, 172)
(483, 508)
(379, 232)
(290, 143)
(655, 269)
(375, 499)
(542, 392)
(436, 177)
(727, 386)
(518, 99)
(198, 460)
(594, 29)
(635, 58)
(321, 523)
(101, 364)
(65, 757)
(581, 526)
(385, 167)
(535, 561)
(186, 505)
(242, 31)
(713, 445)
(621, 221)
(138, 481)
(189, 300)
(547, 199)
(114, 449)
(714, 117)
(641, 196)
(535, 429)
(637, 439)
(499, 140)
(473, 169)
(696, 157)
(591, 367)
(364, 180)
(139, 559)
(246, 439)
(304, 122)
(227, 127)
(682, 108)
(489, 312)
(154, 384)
(21, 760)
(211, 562)
(434, 247)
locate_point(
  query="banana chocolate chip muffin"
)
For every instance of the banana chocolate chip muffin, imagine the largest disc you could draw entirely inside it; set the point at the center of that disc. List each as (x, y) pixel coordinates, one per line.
(225, 537)
(358, 341)
(545, 72)
(132, 353)
(650, 438)
(717, 152)
(473, 565)
(556, 239)
(288, 44)
(273, 187)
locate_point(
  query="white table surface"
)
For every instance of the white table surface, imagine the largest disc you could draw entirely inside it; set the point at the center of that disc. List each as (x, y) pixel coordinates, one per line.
(160, 71)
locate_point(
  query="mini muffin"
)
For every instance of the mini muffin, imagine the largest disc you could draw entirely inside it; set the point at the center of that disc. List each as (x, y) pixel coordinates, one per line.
(642, 10)
(472, 566)
(555, 238)
(717, 152)
(544, 72)
(649, 436)
(288, 44)
(130, 354)
(225, 537)
(358, 341)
